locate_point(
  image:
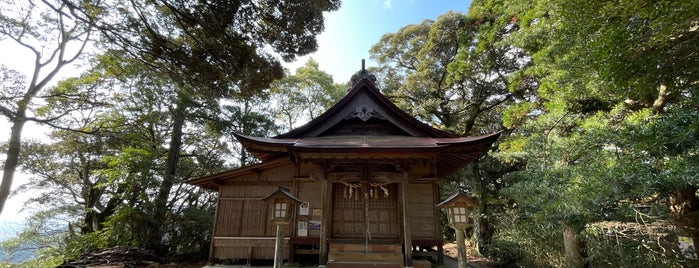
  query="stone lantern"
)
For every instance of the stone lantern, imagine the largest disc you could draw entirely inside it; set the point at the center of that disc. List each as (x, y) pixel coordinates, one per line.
(283, 200)
(458, 207)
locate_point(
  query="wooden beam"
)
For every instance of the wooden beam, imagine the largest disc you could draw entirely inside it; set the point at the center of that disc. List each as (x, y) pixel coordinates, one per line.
(325, 217)
(255, 183)
(212, 248)
(407, 238)
(437, 222)
(240, 198)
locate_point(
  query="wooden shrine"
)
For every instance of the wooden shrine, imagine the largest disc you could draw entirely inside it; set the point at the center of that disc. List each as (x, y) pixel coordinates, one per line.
(365, 174)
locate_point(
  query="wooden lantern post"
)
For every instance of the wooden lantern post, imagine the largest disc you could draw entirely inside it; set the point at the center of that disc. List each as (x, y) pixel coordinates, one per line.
(458, 206)
(282, 200)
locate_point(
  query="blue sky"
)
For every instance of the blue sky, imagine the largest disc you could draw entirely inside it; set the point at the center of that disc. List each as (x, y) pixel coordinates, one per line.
(359, 24)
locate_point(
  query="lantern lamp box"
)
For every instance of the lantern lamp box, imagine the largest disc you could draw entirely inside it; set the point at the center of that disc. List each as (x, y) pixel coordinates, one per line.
(458, 206)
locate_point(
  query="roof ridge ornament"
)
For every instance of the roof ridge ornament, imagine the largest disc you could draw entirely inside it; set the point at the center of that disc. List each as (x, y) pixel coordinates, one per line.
(365, 112)
(361, 75)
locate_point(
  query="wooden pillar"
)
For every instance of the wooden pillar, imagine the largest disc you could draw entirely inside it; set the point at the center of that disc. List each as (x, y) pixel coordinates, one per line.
(438, 222)
(325, 190)
(212, 249)
(279, 246)
(407, 238)
(461, 247)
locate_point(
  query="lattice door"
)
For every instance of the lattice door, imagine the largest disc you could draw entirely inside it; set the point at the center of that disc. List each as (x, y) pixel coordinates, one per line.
(354, 212)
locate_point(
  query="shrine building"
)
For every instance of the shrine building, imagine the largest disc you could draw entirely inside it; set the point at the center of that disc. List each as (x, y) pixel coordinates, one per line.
(363, 183)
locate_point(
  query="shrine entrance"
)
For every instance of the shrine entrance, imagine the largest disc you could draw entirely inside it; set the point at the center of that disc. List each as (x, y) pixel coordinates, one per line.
(365, 212)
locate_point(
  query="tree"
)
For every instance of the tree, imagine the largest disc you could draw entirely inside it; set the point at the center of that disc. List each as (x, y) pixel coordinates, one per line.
(305, 95)
(608, 130)
(178, 59)
(452, 76)
(55, 39)
(222, 47)
(209, 49)
(251, 116)
(143, 118)
(454, 73)
(97, 181)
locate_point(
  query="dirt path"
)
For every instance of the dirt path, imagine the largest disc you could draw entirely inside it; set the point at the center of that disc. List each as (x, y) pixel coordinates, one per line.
(474, 260)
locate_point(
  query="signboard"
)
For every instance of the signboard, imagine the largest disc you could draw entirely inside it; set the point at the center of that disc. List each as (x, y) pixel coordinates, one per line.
(314, 225)
(303, 208)
(686, 245)
(302, 228)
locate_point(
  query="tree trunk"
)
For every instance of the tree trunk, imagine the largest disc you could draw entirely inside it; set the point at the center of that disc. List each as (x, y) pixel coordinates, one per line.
(484, 232)
(12, 154)
(685, 208)
(160, 204)
(573, 247)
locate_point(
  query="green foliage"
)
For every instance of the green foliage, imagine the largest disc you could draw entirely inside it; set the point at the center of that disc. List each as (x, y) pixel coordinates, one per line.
(632, 244)
(453, 73)
(223, 48)
(54, 39)
(99, 176)
(304, 95)
(80, 244)
(43, 235)
(13, 84)
(191, 239)
(445, 74)
(610, 124)
(148, 113)
(522, 242)
(507, 254)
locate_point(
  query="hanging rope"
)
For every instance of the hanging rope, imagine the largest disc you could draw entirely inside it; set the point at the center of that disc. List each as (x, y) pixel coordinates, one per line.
(352, 189)
(366, 224)
(379, 185)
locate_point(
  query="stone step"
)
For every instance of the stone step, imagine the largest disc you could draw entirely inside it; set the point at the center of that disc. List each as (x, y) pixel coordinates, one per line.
(356, 264)
(366, 256)
(347, 247)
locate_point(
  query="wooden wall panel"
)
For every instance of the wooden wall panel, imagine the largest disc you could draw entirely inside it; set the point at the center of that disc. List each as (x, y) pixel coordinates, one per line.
(254, 218)
(278, 174)
(265, 253)
(229, 216)
(225, 253)
(310, 192)
(241, 248)
(242, 213)
(421, 210)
